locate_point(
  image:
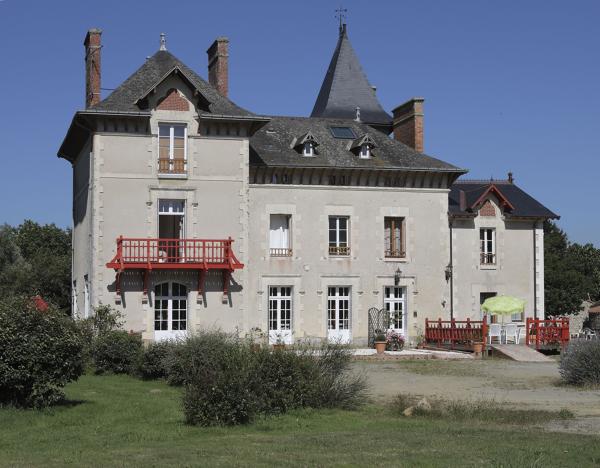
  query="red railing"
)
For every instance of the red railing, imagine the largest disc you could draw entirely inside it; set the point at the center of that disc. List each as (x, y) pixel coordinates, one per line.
(455, 332)
(547, 333)
(174, 253)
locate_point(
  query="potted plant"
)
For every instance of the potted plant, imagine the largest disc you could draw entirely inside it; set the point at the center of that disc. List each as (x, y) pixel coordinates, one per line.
(478, 347)
(279, 344)
(395, 341)
(380, 342)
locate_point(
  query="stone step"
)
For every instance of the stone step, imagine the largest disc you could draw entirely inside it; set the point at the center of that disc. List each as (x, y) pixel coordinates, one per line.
(520, 353)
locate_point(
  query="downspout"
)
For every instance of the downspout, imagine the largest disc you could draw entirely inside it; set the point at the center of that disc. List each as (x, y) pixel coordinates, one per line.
(535, 311)
(451, 276)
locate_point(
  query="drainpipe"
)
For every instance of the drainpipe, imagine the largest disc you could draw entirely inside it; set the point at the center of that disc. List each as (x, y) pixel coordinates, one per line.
(451, 277)
(535, 311)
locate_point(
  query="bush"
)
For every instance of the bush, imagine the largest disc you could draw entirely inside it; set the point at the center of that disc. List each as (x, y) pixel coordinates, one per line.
(580, 362)
(153, 361)
(227, 381)
(117, 351)
(40, 352)
(104, 320)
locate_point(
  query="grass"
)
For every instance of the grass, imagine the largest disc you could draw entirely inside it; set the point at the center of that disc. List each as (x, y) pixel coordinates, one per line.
(118, 420)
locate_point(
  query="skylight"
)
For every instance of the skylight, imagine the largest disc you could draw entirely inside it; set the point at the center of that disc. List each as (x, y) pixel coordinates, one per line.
(342, 132)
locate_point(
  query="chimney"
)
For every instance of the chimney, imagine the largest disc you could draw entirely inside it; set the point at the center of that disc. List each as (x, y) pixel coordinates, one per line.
(408, 123)
(218, 65)
(92, 67)
(462, 200)
(511, 179)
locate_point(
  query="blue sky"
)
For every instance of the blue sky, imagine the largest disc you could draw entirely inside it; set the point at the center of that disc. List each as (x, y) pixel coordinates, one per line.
(509, 85)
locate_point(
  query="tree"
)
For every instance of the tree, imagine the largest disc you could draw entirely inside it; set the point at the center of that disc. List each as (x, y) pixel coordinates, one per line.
(572, 272)
(36, 259)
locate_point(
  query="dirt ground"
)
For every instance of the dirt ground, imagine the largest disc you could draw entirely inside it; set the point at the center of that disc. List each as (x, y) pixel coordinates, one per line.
(516, 384)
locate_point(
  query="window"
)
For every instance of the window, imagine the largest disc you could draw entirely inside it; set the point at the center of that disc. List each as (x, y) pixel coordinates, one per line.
(170, 310)
(172, 149)
(86, 297)
(308, 149)
(394, 237)
(365, 151)
(280, 314)
(338, 235)
(338, 314)
(74, 309)
(394, 303)
(487, 239)
(279, 235)
(342, 132)
(171, 224)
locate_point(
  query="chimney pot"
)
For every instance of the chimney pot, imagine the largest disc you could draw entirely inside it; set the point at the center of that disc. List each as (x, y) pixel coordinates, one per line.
(218, 65)
(92, 44)
(408, 123)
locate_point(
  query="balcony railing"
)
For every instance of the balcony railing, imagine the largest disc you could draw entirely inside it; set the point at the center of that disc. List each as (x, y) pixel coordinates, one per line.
(171, 166)
(488, 258)
(280, 252)
(394, 253)
(174, 253)
(339, 250)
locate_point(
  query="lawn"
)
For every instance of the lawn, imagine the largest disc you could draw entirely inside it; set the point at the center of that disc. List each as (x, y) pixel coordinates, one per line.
(118, 420)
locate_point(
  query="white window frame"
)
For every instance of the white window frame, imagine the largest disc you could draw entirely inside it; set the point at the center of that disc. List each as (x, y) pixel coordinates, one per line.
(389, 303)
(487, 253)
(308, 149)
(280, 302)
(339, 329)
(338, 248)
(172, 147)
(365, 151)
(74, 305)
(86, 297)
(281, 250)
(170, 333)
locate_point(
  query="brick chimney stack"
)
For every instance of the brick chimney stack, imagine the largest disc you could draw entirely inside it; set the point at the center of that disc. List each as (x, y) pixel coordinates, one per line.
(92, 67)
(408, 123)
(218, 65)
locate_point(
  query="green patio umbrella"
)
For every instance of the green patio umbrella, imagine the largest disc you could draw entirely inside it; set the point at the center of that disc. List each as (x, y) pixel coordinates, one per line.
(503, 305)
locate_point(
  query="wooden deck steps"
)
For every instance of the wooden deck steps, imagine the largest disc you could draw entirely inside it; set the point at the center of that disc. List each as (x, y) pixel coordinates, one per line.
(520, 353)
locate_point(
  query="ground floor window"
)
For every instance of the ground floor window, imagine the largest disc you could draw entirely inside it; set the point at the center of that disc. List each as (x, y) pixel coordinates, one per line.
(280, 314)
(170, 308)
(338, 313)
(394, 303)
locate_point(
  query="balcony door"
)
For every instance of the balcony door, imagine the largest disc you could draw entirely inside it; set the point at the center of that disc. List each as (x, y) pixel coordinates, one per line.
(171, 228)
(394, 303)
(170, 311)
(280, 314)
(338, 314)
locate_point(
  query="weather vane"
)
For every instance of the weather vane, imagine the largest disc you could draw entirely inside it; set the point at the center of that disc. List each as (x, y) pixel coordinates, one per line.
(340, 14)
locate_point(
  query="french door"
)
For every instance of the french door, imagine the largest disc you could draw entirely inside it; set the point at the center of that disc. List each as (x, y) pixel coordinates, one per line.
(280, 314)
(394, 303)
(338, 314)
(170, 311)
(171, 227)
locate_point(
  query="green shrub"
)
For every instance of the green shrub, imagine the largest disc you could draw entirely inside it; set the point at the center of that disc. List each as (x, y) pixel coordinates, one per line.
(40, 352)
(104, 320)
(153, 361)
(117, 351)
(580, 362)
(227, 381)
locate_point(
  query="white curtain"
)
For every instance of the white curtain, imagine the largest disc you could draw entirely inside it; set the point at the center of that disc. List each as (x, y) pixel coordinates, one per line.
(280, 232)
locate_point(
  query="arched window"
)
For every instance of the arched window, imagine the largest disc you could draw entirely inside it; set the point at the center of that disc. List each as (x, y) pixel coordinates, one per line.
(170, 310)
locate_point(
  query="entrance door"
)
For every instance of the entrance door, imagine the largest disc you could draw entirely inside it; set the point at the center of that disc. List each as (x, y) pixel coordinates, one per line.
(280, 314)
(338, 314)
(394, 303)
(170, 311)
(171, 224)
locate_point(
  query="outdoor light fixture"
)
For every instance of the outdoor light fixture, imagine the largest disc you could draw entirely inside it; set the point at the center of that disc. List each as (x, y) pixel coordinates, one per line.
(448, 272)
(397, 276)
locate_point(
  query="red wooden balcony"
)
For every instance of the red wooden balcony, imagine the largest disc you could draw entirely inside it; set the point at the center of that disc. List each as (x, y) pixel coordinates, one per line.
(175, 254)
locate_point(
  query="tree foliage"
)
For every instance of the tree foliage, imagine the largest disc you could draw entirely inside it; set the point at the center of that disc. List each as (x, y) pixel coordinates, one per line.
(36, 259)
(572, 272)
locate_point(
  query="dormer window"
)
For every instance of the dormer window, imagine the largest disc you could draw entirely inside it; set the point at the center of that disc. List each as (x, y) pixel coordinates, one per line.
(306, 145)
(308, 149)
(365, 151)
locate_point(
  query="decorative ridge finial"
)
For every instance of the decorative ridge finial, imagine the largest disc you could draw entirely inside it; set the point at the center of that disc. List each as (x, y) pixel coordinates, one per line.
(340, 14)
(163, 41)
(357, 114)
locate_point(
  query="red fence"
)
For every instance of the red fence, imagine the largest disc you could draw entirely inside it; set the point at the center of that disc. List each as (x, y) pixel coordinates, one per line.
(547, 333)
(455, 332)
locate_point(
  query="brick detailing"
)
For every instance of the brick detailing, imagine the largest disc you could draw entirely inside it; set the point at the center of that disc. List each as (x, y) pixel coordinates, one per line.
(218, 65)
(92, 67)
(173, 101)
(408, 123)
(487, 209)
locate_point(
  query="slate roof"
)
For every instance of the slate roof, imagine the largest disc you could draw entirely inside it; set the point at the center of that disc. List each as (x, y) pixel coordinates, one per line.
(524, 204)
(157, 67)
(346, 87)
(272, 146)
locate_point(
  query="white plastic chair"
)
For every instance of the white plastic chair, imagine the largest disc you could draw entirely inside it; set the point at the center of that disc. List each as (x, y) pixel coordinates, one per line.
(495, 331)
(512, 331)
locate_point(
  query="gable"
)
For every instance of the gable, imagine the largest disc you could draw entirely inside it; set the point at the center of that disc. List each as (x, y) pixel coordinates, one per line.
(487, 209)
(173, 101)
